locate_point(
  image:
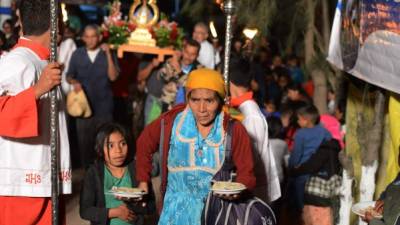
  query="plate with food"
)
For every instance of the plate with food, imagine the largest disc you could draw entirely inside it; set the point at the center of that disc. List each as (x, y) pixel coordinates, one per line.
(127, 192)
(227, 188)
(362, 207)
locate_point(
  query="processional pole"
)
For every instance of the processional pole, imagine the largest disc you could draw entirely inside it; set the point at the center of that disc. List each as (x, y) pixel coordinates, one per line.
(53, 115)
(229, 9)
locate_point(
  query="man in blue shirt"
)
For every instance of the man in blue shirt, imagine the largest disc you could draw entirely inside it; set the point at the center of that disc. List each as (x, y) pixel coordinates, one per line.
(165, 82)
(174, 74)
(92, 69)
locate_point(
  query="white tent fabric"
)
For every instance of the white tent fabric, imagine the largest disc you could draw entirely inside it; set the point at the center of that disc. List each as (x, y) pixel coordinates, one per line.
(365, 41)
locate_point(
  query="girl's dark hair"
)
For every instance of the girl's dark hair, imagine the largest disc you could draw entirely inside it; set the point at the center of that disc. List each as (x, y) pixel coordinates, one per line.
(103, 136)
(275, 127)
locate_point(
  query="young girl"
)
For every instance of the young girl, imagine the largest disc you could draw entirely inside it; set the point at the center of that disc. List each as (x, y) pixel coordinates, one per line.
(114, 168)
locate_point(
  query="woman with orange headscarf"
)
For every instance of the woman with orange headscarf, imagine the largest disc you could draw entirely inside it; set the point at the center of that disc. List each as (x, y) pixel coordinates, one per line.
(193, 149)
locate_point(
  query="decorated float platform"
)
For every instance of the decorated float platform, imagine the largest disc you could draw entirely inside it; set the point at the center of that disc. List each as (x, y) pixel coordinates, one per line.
(161, 52)
(145, 31)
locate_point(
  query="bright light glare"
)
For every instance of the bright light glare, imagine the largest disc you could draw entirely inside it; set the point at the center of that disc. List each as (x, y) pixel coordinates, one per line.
(250, 33)
(64, 12)
(213, 30)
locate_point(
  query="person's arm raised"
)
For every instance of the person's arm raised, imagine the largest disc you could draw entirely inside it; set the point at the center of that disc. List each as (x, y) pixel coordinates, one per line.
(112, 68)
(145, 72)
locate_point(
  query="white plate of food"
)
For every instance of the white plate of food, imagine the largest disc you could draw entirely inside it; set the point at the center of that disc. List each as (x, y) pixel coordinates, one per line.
(126, 192)
(362, 207)
(227, 188)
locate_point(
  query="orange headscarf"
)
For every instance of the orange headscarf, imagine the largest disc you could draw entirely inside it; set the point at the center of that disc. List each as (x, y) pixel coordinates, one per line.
(207, 79)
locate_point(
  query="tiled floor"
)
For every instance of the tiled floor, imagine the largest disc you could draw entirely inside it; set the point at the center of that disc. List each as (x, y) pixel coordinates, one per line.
(72, 201)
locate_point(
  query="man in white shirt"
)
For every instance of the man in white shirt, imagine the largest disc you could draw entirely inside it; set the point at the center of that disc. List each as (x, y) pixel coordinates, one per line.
(267, 187)
(207, 53)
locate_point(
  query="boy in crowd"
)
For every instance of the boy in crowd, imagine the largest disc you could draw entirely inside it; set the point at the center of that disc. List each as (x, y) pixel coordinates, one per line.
(306, 142)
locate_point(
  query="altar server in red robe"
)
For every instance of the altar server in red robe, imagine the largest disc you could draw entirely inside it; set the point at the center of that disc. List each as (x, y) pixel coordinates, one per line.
(26, 78)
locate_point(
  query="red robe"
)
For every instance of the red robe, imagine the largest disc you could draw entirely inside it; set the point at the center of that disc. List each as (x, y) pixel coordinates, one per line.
(19, 115)
(19, 119)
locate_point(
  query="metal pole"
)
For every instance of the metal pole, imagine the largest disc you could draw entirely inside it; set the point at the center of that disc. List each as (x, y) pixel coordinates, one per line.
(229, 9)
(53, 114)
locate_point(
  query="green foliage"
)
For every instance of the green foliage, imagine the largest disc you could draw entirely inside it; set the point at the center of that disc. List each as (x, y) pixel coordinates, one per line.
(250, 13)
(256, 13)
(195, 10)
(292, 22)
(162, 36)
(179, 41)
(118, 35)
(168, 33)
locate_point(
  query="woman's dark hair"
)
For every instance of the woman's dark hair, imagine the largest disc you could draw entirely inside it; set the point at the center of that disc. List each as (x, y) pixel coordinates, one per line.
(275, 127)
(103, 136)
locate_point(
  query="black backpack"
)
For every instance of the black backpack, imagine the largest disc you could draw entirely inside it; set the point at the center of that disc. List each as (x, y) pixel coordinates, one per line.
(248, 210)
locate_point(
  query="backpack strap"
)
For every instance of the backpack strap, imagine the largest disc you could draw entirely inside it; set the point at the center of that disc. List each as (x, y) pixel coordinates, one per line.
(228, 143)
(228, 212)
(249, 207)
(228, 165)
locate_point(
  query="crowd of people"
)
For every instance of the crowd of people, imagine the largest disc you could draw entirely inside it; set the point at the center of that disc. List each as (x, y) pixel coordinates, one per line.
(146, 118)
